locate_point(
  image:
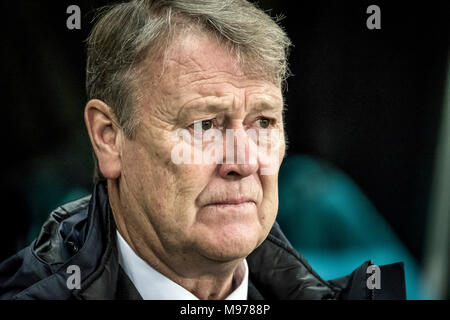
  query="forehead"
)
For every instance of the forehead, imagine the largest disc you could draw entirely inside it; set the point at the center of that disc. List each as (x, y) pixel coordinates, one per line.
(198, 60)
(199, 52)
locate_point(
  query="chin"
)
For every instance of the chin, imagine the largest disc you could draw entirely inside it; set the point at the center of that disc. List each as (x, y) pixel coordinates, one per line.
(230, 243)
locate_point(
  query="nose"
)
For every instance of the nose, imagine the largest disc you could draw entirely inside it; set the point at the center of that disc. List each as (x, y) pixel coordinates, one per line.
(237, 171)
(240, 156)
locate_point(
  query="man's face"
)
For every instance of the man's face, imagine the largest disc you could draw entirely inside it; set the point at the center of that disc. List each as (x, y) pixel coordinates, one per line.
(220, 212)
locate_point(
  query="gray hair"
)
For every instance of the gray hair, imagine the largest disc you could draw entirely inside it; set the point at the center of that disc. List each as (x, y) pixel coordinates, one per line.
(125, 34)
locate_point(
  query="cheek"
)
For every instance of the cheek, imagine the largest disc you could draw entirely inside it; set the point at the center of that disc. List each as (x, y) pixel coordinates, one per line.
(168, 190)
(271, 153)
(173, 210)
(147, 175)
(269, 174)
(188, 182)
(269, 205)
(270, 189)
(282, 148)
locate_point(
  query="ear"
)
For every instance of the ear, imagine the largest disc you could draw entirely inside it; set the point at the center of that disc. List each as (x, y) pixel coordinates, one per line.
(105, 135)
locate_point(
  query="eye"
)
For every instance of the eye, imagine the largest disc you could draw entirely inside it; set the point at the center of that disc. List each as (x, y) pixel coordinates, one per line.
(203, 124)
(207, 124)
(264, 122)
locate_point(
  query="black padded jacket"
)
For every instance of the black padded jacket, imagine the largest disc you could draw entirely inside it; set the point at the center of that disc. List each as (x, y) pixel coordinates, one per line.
(82, 233)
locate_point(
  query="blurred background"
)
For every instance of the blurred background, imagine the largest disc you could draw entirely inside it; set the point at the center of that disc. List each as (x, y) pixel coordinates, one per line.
(367, 174)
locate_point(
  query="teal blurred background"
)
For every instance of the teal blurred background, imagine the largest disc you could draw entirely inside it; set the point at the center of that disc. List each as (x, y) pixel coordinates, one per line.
(329, 220)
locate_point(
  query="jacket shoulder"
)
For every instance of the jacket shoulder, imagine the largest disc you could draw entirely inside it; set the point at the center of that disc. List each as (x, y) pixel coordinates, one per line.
(44, 255)
(278, 271)
(48, 246)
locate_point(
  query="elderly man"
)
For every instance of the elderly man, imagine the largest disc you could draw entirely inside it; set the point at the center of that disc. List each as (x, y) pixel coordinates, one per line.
(186, 122)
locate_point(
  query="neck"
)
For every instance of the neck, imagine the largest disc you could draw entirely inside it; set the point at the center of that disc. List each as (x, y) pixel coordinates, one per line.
(214, 286)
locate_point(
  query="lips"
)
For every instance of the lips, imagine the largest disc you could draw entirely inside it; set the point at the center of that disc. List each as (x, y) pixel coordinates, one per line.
(228, 209)
(231, 202)
(233, 194)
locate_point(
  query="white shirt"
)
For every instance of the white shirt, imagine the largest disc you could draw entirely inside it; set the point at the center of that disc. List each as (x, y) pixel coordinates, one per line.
(153, 285)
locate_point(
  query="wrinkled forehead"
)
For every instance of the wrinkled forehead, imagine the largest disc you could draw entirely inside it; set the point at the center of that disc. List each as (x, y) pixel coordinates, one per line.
(198, 70)
(196, 56)
(200, 55)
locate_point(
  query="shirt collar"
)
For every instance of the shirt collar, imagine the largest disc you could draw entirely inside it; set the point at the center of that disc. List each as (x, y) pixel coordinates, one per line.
(153, 285)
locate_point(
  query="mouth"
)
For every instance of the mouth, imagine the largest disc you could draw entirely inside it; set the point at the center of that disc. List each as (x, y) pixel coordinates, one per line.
(229, 210)
(232, 203)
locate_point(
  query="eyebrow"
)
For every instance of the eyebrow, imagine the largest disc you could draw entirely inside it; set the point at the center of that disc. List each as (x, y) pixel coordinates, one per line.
(264, 106)
(202, 108)
(257, 107)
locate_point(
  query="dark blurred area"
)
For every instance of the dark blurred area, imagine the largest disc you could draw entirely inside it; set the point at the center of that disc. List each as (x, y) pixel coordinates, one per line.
(369, 102)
